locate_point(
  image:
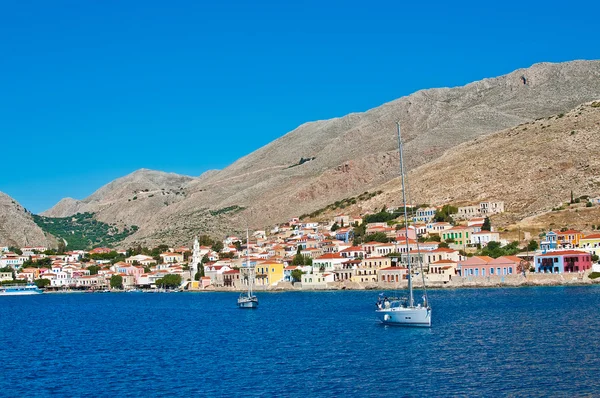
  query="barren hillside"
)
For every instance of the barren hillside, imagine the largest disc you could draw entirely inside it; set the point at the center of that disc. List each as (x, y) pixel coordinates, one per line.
(532, 168)
(17, 227)
(344, 156)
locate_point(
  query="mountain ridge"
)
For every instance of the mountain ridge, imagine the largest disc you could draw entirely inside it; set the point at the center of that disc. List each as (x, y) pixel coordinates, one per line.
(348, 154)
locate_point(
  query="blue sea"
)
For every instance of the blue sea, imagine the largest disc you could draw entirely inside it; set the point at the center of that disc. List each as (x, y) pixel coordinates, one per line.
(484, 342)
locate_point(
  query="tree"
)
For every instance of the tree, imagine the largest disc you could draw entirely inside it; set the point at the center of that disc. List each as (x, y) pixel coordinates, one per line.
(93, 269)
(205, 240)
(205, 259)
(532, 246)
(487, 226)
(595, 257)
(116, 282)
(15, 250)
(200, 272)
(444, 214)
(62, 247)
(377, 237)
(298, 259)
(297, 275)
(41, 283)
(335, 227)
(217, 246)
(169, 281)
(443, 245)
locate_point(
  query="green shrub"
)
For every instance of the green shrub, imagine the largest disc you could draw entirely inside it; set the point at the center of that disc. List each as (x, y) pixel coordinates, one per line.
(595, 275)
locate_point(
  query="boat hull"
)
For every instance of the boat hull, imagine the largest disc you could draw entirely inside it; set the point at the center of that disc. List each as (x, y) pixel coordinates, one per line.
(401, 316)
(19, 292)
(248, 302)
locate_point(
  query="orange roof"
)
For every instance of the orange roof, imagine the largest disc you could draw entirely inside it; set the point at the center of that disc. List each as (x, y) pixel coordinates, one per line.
(233, 271)
(329, 256)
(353, 249)
(444, 262)
(570, 231)
(393, 269)
(443, 249)
(592, 236)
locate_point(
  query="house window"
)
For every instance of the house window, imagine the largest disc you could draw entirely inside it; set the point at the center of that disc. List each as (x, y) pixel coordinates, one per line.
(491, 271)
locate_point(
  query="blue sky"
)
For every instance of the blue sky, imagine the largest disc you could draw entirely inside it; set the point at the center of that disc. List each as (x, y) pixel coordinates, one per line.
(93, 90)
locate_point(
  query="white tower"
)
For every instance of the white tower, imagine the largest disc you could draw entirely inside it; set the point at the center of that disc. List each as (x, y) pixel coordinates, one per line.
(196, 258)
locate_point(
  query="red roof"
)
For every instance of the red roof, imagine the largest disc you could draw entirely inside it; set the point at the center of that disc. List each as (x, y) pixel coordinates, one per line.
(393, 269)
(330, 256)
(592, 236)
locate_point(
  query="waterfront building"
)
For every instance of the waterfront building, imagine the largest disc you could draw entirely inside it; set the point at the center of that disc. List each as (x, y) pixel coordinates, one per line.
(550, 242)
(392, 274)
(569, 239)
(268, 273)
(317, 279)
(590, 244)
(347, 271)
(328, 262)
(558, 262)
(442, 271)
(476, 266)
(231, 278)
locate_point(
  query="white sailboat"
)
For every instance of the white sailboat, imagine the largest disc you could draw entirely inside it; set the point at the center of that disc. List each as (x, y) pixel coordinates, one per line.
(248, 300)
(404, 312)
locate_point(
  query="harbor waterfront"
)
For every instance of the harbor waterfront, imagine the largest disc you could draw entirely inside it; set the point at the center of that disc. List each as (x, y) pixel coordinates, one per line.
(530, 341)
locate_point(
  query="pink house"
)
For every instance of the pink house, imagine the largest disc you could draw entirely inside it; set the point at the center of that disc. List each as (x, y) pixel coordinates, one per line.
(487, 266)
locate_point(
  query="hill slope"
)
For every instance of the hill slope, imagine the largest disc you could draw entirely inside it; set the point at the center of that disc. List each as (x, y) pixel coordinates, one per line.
(532, 167)
(346, 156)
(17, 227)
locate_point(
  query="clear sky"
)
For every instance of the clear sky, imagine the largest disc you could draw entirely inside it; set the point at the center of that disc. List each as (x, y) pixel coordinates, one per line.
(93, 90)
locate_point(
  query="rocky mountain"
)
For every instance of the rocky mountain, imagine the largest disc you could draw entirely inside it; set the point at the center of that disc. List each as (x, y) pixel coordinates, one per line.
(324, 161)
(532, 167)
(17, 227)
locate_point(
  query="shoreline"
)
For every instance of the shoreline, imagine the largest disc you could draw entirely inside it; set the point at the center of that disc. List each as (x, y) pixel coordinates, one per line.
(508, 281)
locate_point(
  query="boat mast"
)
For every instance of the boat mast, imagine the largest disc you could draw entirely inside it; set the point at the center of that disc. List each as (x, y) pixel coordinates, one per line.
(410, 290)
(248, 264)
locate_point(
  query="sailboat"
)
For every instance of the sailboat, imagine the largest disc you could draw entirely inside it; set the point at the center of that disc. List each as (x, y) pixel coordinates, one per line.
(247, 299)
(404, 312)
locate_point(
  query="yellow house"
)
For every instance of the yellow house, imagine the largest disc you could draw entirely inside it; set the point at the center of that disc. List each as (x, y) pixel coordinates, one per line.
(590, 244)
(269, 273)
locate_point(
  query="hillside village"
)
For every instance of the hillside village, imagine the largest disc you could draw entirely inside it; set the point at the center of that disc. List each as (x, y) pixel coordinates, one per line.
(447, 244)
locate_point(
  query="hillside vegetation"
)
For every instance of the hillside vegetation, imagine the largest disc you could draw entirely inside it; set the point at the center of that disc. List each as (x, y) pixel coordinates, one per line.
(82, 231)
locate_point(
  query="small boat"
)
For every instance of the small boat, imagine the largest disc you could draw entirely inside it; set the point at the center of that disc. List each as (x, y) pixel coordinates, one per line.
(247, 299)
(20, 290)
(404, 312)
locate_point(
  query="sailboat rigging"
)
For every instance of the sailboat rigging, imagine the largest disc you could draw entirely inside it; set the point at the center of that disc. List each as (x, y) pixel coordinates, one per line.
(248, 300)
(405, 312)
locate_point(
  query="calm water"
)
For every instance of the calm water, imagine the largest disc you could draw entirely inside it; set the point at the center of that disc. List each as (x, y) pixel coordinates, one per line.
(490, 342)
